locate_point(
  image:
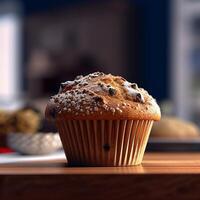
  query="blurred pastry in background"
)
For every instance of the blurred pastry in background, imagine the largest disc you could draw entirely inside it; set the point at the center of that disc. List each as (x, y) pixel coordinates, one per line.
(26, 132)
(7, 122)
(172, 127)
(27, 120)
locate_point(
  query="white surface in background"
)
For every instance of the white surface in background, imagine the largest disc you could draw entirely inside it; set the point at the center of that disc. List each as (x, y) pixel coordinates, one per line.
(183, 44)
(9, 55)
(18, 158)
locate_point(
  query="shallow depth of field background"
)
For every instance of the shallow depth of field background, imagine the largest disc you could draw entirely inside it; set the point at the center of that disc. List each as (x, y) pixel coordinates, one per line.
(151, 42)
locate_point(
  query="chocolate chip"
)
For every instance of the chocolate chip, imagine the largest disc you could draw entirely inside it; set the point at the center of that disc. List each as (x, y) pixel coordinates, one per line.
(90, 94)
(84, 91)
(98, 99)
(139, 98)
(112, 91)
(134, 86)
(100, 84)
(56, 100)
(106, 147)
(76, 82)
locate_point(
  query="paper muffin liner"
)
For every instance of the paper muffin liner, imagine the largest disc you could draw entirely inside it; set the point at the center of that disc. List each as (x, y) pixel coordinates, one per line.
(104, 142)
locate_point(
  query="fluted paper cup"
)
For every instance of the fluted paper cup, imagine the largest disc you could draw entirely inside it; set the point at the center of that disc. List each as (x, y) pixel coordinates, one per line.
(104, 142)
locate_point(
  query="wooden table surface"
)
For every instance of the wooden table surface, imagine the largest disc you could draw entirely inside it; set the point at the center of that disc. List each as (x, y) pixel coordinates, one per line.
(153, 163)
(161, 175)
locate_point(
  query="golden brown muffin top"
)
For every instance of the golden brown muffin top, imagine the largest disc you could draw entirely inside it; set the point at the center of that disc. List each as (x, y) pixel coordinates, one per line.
(102, 96)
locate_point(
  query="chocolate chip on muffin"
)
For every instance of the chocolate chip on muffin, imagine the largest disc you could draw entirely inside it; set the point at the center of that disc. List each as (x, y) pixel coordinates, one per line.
(134, 86)
(112, 91)
(98, 99)
(139, 98)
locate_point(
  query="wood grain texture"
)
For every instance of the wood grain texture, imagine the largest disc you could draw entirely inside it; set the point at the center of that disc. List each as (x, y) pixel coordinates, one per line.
(161, 176)
(156, 163)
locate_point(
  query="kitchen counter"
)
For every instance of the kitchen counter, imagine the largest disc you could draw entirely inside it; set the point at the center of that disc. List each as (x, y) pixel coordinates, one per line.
(170, 175)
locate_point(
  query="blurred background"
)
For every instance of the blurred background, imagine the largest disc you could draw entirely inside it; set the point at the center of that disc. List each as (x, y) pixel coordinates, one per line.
(151, 42)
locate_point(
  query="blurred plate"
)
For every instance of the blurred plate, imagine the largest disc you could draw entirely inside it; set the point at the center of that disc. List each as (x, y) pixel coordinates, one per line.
(166, 144)
(19, 158)
(34, 144)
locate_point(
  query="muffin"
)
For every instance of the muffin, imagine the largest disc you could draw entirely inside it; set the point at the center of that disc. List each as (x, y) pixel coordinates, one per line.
(174, 128)
(103, 120)
(27, 120)
(6, 122)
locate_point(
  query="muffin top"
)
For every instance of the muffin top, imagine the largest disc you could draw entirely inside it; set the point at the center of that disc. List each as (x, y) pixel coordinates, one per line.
(102, 96)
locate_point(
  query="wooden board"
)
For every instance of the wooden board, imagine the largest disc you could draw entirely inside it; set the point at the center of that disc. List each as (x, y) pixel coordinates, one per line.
(161, 176)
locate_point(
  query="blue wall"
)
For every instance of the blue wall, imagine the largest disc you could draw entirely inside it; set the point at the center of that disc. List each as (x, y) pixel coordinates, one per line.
(150, 45)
